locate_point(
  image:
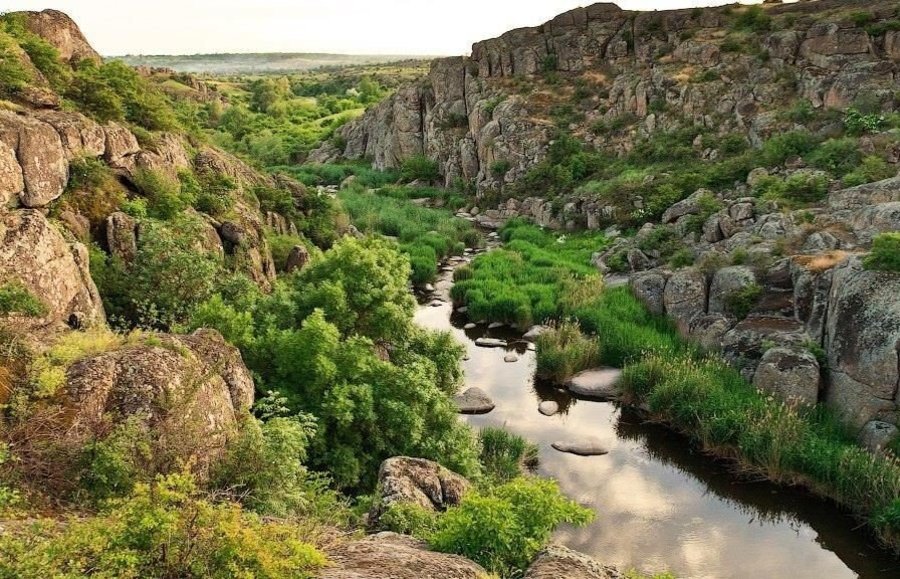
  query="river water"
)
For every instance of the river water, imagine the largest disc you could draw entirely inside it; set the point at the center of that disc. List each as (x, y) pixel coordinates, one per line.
(660, 505)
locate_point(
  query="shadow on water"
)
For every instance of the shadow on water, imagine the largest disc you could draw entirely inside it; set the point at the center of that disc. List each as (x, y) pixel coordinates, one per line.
(660, 504)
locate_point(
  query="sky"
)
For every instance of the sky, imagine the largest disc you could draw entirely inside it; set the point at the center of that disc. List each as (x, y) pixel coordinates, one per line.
(397, 27)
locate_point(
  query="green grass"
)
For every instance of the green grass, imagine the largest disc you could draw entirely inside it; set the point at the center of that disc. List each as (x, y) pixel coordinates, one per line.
(564, 351)
(532, 280)
(885, 255)
(16, 299)
(425, 235)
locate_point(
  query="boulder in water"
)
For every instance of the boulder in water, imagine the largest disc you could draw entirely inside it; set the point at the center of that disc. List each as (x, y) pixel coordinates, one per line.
(586, 447)
(601, 383)
(490, 343)
(548, 407)
(474, 401)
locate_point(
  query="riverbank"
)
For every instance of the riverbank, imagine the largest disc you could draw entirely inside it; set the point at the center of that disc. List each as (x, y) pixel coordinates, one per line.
(686, 389)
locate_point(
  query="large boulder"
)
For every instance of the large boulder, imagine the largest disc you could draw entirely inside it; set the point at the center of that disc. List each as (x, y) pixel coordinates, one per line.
(649, 288)
(188, 390)
(791, 374)
(121, 236)
(393, 556)
(35, 254)
(12, 183)
(862, 341)
(685, 297)
(40, 154)
(557, 561)
(80, 136)
(417, 481)
(725, 283)
(61, 31)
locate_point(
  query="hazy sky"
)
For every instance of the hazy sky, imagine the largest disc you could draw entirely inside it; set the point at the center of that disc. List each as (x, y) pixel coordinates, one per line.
(432, 27)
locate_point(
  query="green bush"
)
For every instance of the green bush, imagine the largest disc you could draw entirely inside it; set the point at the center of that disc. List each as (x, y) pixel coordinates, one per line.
(13, 74)
(872, 168)
(163, 529)
(740, 302)
(798, 189)
(858, 123)
(837, 156)
(885, 255)
(753, 18)
(16, 299)
(563, 351)
(505, 456)
(165, 196)
(144, 293)
(419, 168)
(504, 528)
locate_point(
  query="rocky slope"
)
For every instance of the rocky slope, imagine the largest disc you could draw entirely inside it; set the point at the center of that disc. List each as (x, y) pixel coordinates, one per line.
(663, 69)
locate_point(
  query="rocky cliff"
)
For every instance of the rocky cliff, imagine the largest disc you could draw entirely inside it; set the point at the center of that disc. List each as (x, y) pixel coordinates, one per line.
(486, 118)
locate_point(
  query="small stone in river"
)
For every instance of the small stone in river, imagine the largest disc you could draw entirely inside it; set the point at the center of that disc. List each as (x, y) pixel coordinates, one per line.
(490, 343)
(462, 310)
(532, 334)
(437, 303)
(474, 401)
(470, 326)
(586, 447)
(511, 357)
(495, 325)
(531, 347)
(600, 383)
(548, 407)
(428, 287)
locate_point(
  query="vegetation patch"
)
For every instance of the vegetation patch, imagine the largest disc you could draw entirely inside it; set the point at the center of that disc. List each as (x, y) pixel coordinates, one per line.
(885, 255)
(16, 299)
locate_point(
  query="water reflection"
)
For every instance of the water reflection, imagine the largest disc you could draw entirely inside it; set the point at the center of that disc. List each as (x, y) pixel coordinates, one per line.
(659, 503)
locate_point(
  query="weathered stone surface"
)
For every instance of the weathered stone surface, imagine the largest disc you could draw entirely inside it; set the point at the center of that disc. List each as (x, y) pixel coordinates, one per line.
(649, 288)
(61, 31)
(80, 136)
(533, 333)
(854, 403)
(392, 556)
(40, 155)
(490, 343)
(12, 183)
(859, 197)
(296, 259)
(863, 328)
(121, 145)
(601, 383)
(167, 155)
(473, 401)
(188, 387)
(35, 254)
(557, 561)
(121, 236)
(548, 407)
(418, 481)
(876, 435)
(725, 283)
(690, 206)
(790, 374)
(583, 447)
(685, 297)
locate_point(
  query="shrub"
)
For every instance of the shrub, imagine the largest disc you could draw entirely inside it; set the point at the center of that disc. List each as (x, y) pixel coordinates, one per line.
(93, 191)
(165, 196)
(740, 302)
(504, 528)
(16, 299)
(681, 258)
(872, 168)
(838, 156)
(885, 255)
(13, 74)
(754, 19)
(858, 123)
(798, 189)
(163, 529)
(500, 168)
(504, 456)
(420, 168)
(563, 351)
(263, 469)
(144, 293)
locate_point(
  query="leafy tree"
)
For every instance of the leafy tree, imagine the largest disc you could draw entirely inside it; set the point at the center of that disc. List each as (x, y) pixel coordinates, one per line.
(361, 287)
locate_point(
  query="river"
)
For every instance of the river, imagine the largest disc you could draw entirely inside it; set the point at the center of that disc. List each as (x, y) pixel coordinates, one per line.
(660, 505)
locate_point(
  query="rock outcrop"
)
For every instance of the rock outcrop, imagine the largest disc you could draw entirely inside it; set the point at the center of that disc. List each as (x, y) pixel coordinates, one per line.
(469, 116)
(393, 556)
(61, 31)
(556, 561)
(34, 253)
(188, 389)
(417, 481)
